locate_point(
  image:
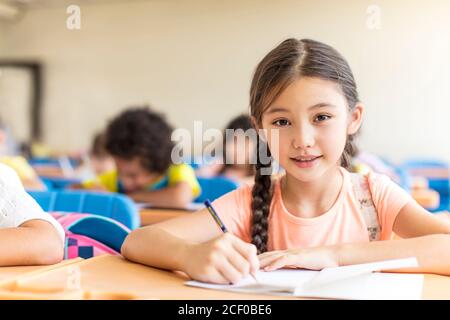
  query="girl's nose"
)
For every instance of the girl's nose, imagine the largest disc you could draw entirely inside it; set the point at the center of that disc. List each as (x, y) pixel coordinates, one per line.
(303, 137)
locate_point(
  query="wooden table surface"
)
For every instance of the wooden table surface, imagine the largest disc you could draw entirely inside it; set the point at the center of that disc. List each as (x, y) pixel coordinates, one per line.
(113, 277)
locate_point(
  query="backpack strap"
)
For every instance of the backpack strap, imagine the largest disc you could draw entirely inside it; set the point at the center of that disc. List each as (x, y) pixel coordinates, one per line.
(368, 210)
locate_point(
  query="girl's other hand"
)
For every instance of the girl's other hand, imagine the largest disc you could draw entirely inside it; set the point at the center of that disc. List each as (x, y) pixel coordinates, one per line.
(309, 258)
(225, 259)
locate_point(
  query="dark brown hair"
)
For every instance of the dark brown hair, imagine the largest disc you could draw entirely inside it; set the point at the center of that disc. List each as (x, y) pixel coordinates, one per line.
(243, 122)
(287, 62)
(98, 148)
(142, 133)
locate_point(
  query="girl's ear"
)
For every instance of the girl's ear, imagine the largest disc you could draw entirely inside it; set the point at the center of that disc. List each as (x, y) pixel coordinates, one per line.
(355, 119)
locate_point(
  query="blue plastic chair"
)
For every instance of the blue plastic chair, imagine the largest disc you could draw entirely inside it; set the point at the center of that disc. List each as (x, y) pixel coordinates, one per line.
(115, 206)
(44, 161)
(421, 163)
(49, 161)
(441, 185)
(213, 188)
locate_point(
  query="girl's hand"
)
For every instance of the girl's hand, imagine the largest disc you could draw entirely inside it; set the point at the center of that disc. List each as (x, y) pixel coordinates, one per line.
(225, 259)
(309, 258)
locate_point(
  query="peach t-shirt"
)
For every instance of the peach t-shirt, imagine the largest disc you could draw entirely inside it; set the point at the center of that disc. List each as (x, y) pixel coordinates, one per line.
(343, 223)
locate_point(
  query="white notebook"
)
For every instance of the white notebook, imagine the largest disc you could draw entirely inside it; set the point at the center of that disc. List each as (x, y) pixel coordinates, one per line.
(348, 282)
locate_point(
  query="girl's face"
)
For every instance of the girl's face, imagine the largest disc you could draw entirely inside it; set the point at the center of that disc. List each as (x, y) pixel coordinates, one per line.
(313, 121)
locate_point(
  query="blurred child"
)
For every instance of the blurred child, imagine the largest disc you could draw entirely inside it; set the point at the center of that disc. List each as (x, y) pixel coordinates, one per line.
(139, 140)
(9, 157)
(97, 161)
(240, 147)
(101, 160)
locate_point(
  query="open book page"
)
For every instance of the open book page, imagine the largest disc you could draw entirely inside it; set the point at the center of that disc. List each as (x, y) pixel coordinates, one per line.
(278, 282)
(329, 275)
(350, 282)
(371, 286)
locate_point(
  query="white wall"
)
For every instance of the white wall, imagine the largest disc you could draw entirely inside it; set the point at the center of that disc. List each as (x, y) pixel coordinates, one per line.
(15, 97)
(2, 38)
(194, 60)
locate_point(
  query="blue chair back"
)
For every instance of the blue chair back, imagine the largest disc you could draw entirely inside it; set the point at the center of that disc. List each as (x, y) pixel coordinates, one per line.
(421, 163)
(115, 206)
(51, 161)
(441, 185)
(213, 188)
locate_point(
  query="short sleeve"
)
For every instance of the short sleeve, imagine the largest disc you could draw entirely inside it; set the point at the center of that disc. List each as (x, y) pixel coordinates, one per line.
(17, 206)
(107, 180)
(184, 173)
(234, 208)
(389, 198)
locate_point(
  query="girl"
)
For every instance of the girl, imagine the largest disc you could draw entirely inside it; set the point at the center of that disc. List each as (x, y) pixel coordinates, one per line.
(28, 235)
(319, 214)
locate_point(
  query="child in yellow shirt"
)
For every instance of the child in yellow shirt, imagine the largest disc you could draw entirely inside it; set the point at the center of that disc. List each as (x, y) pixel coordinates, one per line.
(139, 140)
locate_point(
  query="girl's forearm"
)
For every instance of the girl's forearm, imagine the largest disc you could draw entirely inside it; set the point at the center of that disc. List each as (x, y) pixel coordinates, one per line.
(156, 247)
(29, 246)
(432, 253)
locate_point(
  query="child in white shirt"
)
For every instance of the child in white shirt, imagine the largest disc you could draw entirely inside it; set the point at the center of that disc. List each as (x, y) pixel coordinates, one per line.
(28, 235)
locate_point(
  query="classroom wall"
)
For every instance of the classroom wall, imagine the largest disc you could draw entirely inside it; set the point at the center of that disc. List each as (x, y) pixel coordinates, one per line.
(194, 60)
(2, 38)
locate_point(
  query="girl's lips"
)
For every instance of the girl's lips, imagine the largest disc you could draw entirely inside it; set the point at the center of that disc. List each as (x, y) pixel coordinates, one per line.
(306, 163)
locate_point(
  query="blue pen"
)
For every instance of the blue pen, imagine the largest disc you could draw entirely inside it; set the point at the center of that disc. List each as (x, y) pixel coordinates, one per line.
(220, 224)
(215, 216)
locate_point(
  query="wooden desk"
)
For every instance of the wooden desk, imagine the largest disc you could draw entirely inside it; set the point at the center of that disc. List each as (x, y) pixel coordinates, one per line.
(433, 173)
(10, 275)
(49, 171)
(151, 216)
(112, 277)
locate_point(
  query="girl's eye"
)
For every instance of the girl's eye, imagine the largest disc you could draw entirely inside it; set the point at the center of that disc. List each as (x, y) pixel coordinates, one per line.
(281, 122)
(322, 117)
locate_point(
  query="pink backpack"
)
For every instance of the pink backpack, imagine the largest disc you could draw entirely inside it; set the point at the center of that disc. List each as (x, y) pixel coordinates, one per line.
(90, 235)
